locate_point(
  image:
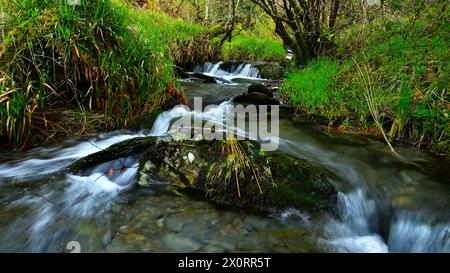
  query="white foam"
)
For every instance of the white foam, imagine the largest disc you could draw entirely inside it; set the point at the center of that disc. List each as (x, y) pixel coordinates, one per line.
(60, 159)
(360, 244)
(243, 71)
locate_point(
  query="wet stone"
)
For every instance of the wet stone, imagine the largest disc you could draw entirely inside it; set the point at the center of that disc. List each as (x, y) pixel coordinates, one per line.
(174, 224)
(181, 243)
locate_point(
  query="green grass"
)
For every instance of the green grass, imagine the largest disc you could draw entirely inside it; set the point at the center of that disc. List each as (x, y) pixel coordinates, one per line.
(312, 89)
(259, 42)
(251, 47)
(172, 38)
(237, 163)
(405, 66)
(102, 56)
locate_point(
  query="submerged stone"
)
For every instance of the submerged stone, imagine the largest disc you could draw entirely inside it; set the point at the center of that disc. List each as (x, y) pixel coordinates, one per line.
(181, 243)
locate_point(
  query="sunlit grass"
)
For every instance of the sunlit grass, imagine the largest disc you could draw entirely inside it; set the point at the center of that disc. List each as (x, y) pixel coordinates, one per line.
(251, 47)
(101, 56)
(408, 67)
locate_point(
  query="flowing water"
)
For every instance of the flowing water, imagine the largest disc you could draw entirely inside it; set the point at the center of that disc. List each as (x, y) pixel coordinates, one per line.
(240, 70)
(384, 205)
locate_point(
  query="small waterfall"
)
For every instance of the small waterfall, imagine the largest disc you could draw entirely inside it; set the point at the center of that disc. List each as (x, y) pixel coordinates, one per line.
(357, 212)
(355, 232)
(229, 70)
(43, 161)
(247, 71)
(60, 210)
(208, 68)
(216, 116)
(412, 232)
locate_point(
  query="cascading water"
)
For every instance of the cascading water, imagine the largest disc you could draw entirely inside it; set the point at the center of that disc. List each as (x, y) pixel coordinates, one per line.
(52, 160)
(230, 72)
(383, 206)
(58, 211)
(355, 231)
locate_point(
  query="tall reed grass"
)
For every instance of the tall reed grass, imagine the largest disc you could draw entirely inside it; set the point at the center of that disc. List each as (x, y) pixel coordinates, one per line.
(101, 56)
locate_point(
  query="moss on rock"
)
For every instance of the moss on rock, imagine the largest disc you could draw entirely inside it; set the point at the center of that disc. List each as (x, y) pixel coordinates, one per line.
(266, 180)
(296, 183)
(260, 88)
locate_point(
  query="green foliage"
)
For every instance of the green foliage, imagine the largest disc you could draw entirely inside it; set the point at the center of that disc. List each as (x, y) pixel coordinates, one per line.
(252, 47)
(100, 56)
(312, 88)
(255, 42)
(407, 65)
(238, 162)
(165, 36)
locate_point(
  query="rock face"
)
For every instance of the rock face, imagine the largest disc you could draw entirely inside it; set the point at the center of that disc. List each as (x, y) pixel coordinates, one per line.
(188, 166)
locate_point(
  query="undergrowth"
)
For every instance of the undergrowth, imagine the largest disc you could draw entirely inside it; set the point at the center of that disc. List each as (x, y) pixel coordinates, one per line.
(236, 166)
(406, 63)
(103, 56)
(251, 47)
(256, 42)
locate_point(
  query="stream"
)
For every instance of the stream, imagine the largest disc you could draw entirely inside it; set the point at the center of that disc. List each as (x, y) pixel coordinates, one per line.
(384, 205)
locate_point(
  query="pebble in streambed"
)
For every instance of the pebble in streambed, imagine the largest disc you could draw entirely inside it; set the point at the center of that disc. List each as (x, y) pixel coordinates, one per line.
(167, 223)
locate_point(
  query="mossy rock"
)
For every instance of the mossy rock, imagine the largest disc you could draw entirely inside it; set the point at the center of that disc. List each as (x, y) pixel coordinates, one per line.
(260, 88)
(301, 184)
(296, 183)
(255, 98)
(270, 70)
(186, 166)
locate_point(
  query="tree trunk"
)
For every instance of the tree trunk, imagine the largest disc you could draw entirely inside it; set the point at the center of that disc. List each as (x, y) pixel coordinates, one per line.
(308, 22)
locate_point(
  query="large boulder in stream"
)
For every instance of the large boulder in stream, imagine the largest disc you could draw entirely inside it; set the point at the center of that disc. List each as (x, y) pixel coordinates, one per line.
(229, 173)
(255, 98)
(260, 88)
